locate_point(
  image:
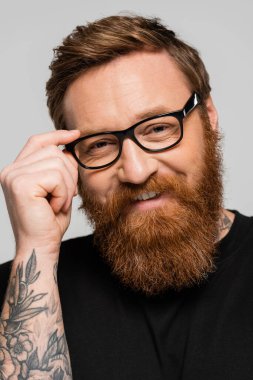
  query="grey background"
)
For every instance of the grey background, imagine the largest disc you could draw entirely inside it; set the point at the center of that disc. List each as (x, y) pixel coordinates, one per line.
(221, 30)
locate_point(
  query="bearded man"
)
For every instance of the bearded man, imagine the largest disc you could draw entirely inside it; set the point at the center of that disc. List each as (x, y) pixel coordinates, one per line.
(161, 290)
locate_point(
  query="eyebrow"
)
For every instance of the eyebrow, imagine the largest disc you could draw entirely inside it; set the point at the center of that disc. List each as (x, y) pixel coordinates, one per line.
(153, 112)
(139, 117)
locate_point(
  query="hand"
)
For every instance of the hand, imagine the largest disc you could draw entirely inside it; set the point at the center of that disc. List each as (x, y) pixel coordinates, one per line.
(38, 187)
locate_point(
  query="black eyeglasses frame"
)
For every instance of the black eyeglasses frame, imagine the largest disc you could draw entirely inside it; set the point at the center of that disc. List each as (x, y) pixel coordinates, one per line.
(190, 105)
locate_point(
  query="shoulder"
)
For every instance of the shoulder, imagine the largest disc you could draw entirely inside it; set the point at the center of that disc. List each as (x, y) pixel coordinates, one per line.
(78, 244)
(243, 225)
(72, 252)
(77, 254)
(76, 249)
(238, 243)
(5, 270)
(81, 266)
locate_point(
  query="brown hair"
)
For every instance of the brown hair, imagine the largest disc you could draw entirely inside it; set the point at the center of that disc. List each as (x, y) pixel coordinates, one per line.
(101, 41)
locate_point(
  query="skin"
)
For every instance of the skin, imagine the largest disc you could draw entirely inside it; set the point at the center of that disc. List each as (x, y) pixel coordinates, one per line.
(40, 184)
(38, 223)
(112, 97)
(41, 169)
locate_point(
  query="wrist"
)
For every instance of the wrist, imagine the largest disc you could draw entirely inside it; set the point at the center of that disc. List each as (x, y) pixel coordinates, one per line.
(48, 253)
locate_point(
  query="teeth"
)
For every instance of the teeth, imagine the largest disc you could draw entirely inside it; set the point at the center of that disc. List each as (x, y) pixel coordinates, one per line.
(145, 196)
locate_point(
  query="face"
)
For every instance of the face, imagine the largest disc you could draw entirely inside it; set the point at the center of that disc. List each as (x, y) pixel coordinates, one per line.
(113, 97)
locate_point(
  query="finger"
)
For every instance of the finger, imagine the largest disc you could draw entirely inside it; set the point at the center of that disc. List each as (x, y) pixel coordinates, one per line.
(53, 184)
(53, 165)
(24, 190)
(36, 142)
(46, 153)
(46, 158)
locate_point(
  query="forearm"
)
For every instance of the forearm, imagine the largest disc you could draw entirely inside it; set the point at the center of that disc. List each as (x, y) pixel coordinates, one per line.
(32, 339)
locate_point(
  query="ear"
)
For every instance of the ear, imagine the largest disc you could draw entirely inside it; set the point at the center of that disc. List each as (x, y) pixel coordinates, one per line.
(212, 112)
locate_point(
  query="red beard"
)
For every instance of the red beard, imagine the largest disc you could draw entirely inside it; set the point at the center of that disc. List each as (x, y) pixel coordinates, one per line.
(166, 247)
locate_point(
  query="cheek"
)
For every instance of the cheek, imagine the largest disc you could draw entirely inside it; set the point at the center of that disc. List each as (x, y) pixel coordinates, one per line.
(98, 183)
(194, 153)
(186, 158)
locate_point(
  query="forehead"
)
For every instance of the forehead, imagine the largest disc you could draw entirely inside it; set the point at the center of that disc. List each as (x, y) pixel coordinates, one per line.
(114, 95)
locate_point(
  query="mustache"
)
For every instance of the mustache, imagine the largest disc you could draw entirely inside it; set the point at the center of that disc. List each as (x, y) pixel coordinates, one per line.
(126, 193)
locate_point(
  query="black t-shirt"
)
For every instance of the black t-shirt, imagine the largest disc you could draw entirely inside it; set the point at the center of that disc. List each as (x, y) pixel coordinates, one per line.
(113, 333)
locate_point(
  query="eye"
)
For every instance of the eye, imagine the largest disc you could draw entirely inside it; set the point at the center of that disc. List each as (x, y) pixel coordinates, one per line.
(99, 145)
(102, 145)
(159, 128)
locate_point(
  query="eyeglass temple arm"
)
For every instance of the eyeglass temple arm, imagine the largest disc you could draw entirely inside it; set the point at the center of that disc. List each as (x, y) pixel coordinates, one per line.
(191, 104)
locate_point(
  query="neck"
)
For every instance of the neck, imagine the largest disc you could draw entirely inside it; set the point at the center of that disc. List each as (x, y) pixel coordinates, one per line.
(225, 223)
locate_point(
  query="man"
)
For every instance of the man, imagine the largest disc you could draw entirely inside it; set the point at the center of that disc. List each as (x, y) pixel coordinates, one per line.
(162, 288)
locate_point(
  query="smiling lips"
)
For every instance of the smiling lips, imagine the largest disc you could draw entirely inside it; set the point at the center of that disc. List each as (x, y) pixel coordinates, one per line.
(146, 196)
(148, 201)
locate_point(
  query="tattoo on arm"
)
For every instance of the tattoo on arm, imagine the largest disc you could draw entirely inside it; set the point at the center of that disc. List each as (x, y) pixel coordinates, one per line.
(55, 272)
(20, 357)
(225, 223)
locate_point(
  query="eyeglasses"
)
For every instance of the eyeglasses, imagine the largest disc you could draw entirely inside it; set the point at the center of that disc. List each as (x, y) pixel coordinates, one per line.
(153, 134)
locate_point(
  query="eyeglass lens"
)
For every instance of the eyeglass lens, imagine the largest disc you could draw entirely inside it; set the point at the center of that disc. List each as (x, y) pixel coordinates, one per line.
(155, 134)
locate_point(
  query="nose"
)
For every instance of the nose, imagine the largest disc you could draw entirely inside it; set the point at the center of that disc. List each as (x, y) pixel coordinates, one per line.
(135, 165)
